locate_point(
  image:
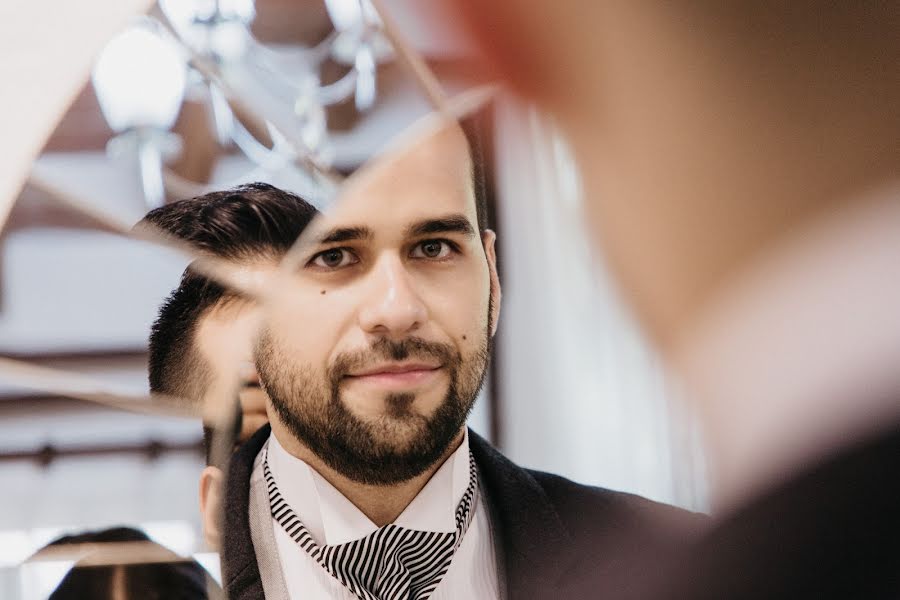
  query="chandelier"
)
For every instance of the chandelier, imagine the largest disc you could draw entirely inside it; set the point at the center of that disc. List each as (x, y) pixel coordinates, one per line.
(204, 49)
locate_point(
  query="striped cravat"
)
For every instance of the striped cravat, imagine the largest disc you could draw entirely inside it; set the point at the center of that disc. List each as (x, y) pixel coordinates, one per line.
(392, 563)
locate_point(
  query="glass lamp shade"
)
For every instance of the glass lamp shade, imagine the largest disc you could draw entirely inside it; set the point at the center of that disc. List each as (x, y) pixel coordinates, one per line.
(139, 79)
(347, 15)
(216, 28)
(184, 13)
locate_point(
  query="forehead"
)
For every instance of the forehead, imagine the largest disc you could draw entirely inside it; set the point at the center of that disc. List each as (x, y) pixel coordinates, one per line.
(427, 178)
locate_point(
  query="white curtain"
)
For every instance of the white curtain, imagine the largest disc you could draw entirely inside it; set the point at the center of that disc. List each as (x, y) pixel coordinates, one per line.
(582, 393)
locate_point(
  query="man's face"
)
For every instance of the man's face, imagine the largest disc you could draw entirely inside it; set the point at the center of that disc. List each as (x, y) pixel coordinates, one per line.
(375, 351)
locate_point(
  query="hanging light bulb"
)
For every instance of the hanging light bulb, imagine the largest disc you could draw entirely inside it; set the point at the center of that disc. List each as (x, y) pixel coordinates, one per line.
(350, 14)
(139, 79)
(364, 63)
(214, 28)
(243, 10)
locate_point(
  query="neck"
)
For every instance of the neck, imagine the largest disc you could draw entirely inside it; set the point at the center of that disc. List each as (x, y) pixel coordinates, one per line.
(382, 504)
(796, 359)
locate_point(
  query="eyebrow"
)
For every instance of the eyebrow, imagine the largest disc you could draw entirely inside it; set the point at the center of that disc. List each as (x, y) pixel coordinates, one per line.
(345, 234)
(448, 224)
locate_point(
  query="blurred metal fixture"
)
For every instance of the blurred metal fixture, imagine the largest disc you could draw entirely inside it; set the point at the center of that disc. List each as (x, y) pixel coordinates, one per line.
(205, 48)
(140, 80)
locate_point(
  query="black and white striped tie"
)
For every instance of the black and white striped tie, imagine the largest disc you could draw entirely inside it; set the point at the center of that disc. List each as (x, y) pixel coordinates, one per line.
(392, 563)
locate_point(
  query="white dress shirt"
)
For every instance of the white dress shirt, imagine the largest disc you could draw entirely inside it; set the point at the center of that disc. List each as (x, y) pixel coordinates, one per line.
(332, 519)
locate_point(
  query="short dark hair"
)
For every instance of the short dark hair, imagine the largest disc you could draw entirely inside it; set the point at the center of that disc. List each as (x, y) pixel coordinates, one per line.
(245, 223)
(478, 128)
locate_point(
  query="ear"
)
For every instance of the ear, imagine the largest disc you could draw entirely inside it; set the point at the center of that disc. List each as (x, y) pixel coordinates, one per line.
(489, 240)
(211, 480)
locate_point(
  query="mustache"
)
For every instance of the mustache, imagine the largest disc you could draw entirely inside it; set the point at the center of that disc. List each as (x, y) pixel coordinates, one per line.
(384, 349)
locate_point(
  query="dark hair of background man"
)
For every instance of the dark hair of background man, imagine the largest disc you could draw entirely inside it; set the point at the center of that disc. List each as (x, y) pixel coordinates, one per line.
(178, 579)
(478, 129)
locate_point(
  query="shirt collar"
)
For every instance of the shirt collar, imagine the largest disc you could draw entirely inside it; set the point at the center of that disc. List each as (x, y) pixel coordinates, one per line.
(332, 519)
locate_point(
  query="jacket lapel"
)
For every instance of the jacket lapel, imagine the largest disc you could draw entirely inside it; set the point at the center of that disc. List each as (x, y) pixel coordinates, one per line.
(240, 570)
(534, 543)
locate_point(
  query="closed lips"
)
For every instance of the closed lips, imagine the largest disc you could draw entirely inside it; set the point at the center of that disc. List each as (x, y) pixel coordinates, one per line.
(395, 369)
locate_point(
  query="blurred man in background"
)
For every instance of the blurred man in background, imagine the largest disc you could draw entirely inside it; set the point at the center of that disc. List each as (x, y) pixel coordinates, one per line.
(741, 167)
(201, 344)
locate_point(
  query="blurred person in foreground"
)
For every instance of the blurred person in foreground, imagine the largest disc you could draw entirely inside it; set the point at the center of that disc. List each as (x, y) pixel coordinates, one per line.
(368, 483)
(741, 167)
(201, 343)
(122, 563)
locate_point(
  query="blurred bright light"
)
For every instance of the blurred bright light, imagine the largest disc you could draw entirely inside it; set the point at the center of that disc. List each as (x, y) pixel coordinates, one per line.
(365, 78)
(223, 34)
(351, 14)
(139, 79)
(184, 13)
(244, 10)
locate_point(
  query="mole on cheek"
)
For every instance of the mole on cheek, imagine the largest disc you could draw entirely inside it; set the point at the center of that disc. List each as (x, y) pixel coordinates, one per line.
(464, 337)
(323, 292)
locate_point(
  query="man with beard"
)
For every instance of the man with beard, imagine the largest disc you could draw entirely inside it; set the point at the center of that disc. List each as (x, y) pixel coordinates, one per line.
(374, 346)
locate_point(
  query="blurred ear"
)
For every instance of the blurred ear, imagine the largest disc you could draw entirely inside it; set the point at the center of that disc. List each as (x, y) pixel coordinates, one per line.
(211, 480)
(253, 411)
(489, 240)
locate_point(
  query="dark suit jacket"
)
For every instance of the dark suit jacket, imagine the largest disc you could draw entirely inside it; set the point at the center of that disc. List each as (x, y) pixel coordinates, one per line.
(549, 532)
(829, 532)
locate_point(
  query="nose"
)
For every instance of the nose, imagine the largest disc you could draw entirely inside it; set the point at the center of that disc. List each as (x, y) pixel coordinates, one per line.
(391, 307)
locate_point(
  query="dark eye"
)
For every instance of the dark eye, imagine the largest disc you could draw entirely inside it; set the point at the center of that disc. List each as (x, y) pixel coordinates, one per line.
(431, 249)
(334, 258)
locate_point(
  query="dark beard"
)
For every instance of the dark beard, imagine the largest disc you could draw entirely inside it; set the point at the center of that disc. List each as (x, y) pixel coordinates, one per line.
(366, 451)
